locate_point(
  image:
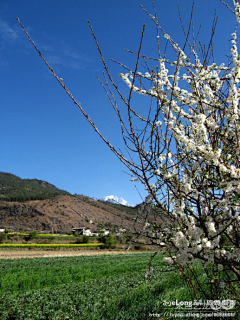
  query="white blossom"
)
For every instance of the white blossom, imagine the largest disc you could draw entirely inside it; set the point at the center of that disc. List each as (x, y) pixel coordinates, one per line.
(168, 260)
(195, 163)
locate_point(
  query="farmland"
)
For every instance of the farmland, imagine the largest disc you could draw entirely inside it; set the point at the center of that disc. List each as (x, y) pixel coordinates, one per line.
(46, 245)
(26, 253)
(87, 287)
(96, 287)
(70, 279)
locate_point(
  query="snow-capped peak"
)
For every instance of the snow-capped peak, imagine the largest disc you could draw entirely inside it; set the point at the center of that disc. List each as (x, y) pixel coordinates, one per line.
(115, 199)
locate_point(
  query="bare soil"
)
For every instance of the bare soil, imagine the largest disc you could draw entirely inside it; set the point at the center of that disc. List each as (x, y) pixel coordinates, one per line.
(17, 254)
(61, 213)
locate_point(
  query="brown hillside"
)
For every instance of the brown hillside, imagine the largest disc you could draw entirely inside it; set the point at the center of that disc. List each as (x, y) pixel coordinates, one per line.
(62, 213)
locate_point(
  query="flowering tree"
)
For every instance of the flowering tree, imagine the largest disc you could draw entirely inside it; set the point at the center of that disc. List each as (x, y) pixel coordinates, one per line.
(185, 150)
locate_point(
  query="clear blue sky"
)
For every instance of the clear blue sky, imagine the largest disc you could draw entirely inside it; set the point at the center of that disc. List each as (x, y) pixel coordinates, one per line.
(43, 134)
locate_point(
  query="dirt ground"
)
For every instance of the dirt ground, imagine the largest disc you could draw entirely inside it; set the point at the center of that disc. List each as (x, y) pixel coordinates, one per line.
(16, 254)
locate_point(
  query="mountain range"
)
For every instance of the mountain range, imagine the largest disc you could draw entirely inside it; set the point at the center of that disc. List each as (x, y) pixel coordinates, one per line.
(32, 204)
(39, 205)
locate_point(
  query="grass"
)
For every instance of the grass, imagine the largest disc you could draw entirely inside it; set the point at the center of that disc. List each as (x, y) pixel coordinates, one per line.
(88, 287)
(40, 235)
(49, 245)
(26, 274)
(97, 287)
(35, 238)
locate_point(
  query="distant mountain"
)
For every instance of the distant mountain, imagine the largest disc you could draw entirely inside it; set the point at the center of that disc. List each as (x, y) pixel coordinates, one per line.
(13, 188)
(62, 213)
(38, 205)
(116, 200)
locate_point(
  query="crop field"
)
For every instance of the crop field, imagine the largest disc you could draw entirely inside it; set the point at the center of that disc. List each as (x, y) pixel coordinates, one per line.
(88, 287)
(50, 245)
(20, 253)
(41, 235)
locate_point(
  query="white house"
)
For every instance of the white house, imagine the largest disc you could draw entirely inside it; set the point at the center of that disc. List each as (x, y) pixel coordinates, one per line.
(82, 231)
(105, 232)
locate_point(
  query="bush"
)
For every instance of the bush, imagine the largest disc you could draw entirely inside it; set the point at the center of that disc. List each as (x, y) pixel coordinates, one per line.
(83, 239)
(109, 241)
(121, 239)
(138, 247)
(32, 235)
(2, 237)
(128, 237)
(78, 240)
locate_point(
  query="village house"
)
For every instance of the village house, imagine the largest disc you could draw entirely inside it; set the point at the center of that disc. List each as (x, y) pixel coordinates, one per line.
(82, 231)
(104, 232)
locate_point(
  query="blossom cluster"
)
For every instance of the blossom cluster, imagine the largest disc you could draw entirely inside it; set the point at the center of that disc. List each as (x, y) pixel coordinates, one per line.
(199, 108)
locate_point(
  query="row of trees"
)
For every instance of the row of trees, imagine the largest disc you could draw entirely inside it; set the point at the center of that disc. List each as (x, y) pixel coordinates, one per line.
(21, 197)
(13, 188)
(187, 149)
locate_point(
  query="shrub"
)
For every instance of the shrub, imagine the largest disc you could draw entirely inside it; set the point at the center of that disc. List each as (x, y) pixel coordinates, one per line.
(78, 240)
(109, 241)
(85, 239)
(138, 247)
(121, 239)
(31, 235)
(2, 237)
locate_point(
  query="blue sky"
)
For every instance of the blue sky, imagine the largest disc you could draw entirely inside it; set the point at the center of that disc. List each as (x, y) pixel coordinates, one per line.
(43, 134)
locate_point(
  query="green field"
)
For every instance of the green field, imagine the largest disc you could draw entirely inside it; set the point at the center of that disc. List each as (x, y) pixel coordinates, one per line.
(88, 287)
(50, 245)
